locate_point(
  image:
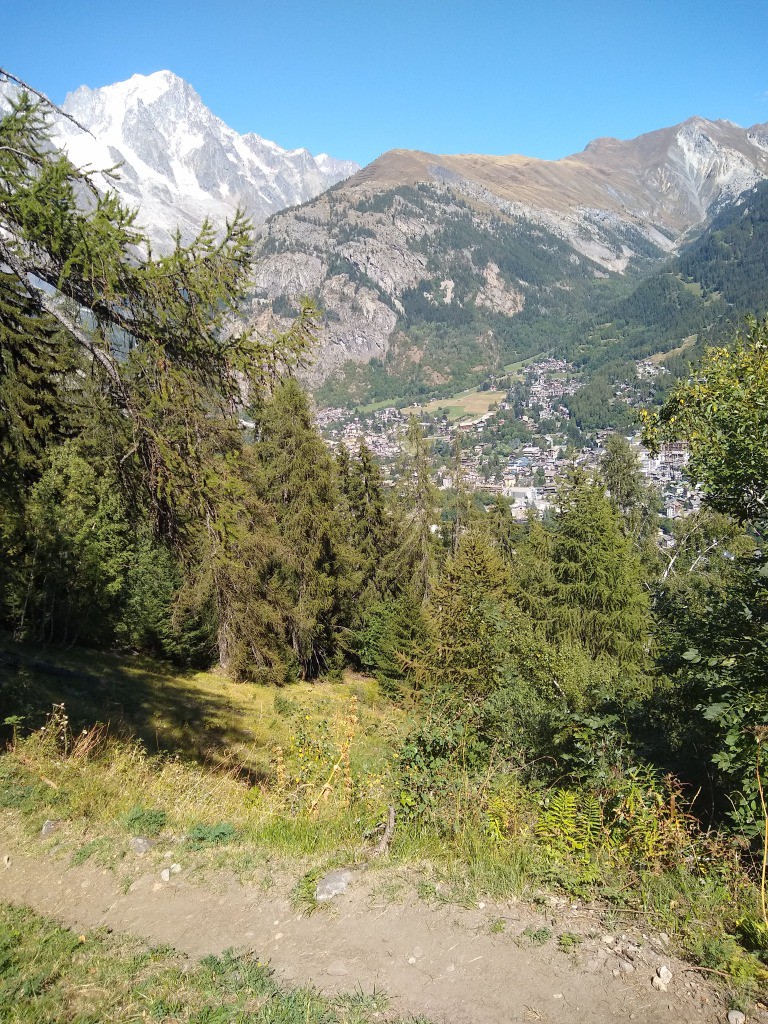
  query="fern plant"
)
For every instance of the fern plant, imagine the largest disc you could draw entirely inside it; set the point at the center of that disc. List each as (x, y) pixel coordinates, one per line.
(572, 822)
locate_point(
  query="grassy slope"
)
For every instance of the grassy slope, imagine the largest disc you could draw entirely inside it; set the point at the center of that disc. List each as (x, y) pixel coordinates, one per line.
(279, 784)
(200, 715)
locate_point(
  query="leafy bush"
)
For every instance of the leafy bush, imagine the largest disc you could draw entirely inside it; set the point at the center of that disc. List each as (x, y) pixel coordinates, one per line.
(435, 759)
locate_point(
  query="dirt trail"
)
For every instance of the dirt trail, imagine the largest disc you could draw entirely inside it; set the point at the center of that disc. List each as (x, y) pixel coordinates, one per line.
(441, 962)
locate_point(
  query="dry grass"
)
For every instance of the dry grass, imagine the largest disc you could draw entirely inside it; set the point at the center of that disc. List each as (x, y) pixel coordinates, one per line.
(301, 770)
(660, 357)
(466, 404)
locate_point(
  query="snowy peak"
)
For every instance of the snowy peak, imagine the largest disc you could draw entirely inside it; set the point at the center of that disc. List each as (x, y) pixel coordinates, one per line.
(179, 162)
(109, 103)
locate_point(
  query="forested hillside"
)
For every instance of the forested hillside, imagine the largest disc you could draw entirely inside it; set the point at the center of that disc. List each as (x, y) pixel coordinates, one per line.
(716, 280)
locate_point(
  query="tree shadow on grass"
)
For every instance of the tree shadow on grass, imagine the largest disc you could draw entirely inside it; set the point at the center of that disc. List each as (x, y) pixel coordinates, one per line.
(138, 699)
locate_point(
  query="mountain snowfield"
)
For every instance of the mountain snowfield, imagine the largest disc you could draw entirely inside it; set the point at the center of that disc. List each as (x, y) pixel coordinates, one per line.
(179, 163)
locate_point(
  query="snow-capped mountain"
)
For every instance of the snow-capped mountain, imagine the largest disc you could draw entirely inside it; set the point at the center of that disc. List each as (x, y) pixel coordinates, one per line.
(179, 163)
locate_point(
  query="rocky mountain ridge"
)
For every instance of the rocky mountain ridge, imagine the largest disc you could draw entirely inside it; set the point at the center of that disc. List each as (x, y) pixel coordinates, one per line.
(178, 162)
(418, 253)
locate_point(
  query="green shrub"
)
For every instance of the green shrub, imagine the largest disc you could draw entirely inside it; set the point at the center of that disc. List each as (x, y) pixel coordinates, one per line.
(211, 835)
(145, 821)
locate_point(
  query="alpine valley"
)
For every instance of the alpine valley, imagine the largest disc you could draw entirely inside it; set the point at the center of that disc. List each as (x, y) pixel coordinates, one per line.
(434, 271)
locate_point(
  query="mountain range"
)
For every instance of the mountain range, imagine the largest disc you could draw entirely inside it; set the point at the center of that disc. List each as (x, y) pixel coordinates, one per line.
(431, 269)
(179, 163)
(439, 268)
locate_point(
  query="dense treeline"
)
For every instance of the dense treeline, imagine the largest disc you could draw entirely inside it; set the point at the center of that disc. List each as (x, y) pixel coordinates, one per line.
(163, 488)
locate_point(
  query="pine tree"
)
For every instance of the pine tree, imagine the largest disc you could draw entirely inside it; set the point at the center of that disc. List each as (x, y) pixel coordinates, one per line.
(183, 369)
(507, 534)
(469, 614)
(371, 522)
(76, 551)
(37, 382)
(412, 563)
(461, 508)
(166, 371)
(620, 470)
(637, 501)
(393, 631)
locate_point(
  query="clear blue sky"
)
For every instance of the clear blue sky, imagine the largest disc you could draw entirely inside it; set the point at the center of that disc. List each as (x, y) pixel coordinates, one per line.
(357, 78)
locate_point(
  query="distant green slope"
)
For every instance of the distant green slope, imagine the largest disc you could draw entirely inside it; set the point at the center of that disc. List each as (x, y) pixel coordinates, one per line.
(714, 282)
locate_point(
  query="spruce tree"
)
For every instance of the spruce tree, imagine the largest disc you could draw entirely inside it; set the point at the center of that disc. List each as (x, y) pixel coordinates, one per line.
(38, 385)
(76, 550)
(412, 563)
(371, 521)
(313, 579)
(598, 598)
(469, 615)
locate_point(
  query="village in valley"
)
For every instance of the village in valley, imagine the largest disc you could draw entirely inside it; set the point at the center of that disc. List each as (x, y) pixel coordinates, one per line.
(515, 437)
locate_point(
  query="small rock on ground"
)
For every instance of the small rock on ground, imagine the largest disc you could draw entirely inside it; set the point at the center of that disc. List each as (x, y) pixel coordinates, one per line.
(736, 1017)
(664, 974)
(333, 884)
(140, 844)
(165, 874)
(337, 969)
(49, 827)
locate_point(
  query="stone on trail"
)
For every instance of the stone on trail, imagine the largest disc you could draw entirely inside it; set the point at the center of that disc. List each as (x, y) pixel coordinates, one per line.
(664, 974)
(140, 844)
(165, 874)
(49, 827)
(333, 884)
(658, 984)
(736, 1017)
(337, 969)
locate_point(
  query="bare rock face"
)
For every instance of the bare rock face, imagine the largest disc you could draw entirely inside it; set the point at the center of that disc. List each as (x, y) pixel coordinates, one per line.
(289, 273)
(497, 295)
